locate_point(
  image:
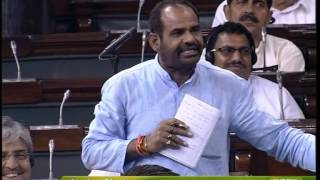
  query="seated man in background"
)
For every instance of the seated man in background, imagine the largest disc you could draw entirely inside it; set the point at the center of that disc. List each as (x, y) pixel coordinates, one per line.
(231, 46)
(16, 150)
(283, 12)
(149, 170)
(271, 50)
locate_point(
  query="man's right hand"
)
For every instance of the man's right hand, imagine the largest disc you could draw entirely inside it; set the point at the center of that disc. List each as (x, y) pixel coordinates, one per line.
(167, 135)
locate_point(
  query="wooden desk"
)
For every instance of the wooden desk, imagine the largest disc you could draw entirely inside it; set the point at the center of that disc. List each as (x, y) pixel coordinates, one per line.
(95, 42)
(258, 163)
(301, 85)
(21, 92)
(65, 139)
(245, 157)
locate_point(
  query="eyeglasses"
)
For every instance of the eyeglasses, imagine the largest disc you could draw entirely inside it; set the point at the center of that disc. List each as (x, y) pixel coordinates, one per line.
(228, 51)
(18, 156)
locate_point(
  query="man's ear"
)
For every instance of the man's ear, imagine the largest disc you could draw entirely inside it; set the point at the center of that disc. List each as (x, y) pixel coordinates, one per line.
(226, 10)
(154, 41)
(269, 17)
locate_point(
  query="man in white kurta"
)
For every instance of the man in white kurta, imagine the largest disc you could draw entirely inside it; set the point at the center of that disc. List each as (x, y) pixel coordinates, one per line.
(271, 51)
(265, 92)
(266, 96)
(300, 12)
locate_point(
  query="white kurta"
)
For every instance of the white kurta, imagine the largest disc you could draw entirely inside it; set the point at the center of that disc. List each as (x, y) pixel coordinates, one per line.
(302, 12)
(266, 96)
(281, 52)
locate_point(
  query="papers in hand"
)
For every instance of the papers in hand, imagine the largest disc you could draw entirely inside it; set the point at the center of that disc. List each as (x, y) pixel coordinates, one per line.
(201, 119)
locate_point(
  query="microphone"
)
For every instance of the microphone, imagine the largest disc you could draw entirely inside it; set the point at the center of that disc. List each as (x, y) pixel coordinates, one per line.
(141, 2)
(264, 42)
(144, 39)
(14, 52)
(65, 97)
(51, 148)
(144, 32)
(13, 46)
(117, 43)
(279, 80)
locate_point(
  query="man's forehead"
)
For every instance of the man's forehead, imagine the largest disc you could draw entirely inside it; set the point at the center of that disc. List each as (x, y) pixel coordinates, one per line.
(178, 14)
(225, 38)
(248, 1)
(18, 145)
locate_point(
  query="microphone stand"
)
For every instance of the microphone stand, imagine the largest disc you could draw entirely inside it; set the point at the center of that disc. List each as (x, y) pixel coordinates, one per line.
(51, 148)
(113, 55)
(264, 41)
(14, 51)
(13, 46)
(279, 80)
(65, 97)
(139, 29)
(60, 125)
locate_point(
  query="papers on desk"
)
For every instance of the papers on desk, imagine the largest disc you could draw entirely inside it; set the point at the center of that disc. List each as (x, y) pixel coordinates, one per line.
(201, 119)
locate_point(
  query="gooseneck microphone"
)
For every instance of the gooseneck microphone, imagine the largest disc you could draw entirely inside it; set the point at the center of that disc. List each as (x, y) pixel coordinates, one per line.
(279, 80)
(141, 2)
(264, 42)
(65, 97)
(117, 43)
(144, 32)
(51, 148)
(14, 52)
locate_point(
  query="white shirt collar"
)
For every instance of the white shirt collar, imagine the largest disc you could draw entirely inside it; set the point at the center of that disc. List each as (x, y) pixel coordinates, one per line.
(295, 6)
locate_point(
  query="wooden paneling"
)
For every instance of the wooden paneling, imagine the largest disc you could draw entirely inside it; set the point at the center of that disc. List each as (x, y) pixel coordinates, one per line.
(246, 157)
(301, 85)
(258, 163)
(94, 42)
(81, 89)
(21, 92)
(65, 139)
(51, 90)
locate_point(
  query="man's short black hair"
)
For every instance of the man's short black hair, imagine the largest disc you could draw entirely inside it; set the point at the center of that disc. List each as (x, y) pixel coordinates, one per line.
(269, 2)
(150, 170)
(155, 15)
(229, 28)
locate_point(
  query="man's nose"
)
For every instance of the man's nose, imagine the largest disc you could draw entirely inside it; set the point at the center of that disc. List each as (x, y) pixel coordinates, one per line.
(11, 162)
(237, 55)
(189, 37)
(248, 8)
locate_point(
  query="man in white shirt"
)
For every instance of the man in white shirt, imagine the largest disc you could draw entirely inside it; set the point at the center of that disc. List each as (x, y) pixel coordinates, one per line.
(231, 46)
(283, 12)
(271, 50)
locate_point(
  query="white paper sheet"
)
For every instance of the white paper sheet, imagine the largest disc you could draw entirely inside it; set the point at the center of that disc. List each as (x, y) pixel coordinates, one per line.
(201, 119)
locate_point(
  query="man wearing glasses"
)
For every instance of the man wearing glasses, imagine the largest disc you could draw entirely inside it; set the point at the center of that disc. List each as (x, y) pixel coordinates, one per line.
(16, 150)
(272, 51)
(231, 46)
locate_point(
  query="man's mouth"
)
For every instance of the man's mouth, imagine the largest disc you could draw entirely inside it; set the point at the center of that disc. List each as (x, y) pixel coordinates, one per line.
(190, 52)
(11, 175)
(236, 66)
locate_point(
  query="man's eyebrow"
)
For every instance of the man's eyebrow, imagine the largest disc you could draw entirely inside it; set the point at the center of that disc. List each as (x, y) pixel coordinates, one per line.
(20, 151)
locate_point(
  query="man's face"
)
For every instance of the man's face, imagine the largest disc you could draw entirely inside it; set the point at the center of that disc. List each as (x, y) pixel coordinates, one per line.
(15, 161)
(226, 57)
(180, 44)
(253, 14)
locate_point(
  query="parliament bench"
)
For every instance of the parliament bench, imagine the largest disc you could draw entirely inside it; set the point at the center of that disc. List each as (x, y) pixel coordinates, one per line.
(243, 157)
(301, 85)
(63, 50)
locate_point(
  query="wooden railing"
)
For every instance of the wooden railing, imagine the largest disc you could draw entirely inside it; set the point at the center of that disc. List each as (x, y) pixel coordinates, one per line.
(301, 85)
(304, 36)
(245, 157)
